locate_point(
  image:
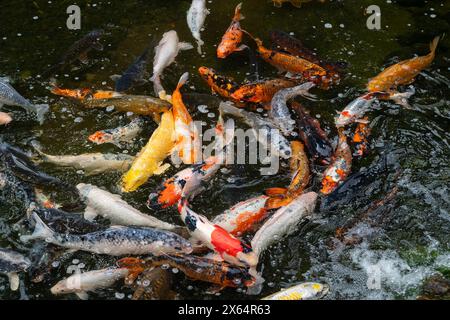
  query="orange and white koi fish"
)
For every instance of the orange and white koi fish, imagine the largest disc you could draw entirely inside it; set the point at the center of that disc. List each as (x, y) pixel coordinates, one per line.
(360, 138)
(403, 72)
(216, 238)
(340, 166)
(219, 84)
(120, 135)
(261, 91)
(187, 140)
(299, 164)
(243, 216)
(191, 181)
(231, 40)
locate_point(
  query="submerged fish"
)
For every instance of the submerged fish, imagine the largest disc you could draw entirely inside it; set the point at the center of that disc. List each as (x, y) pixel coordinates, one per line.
(243, 216)
(114, 241)
(11, 263)
(196, 16)
(78, 51)
(355, 110)
(315, 139)
(264, 130)
(135, 73)
(219, 84)
(81, 283)
(119, 136)
(165, 54)
(261, 91)
(187, 139)
(5, 118)
(90, 163)
(279, 111)
(403, 72)
(340, 166)
(216, 238)
(10, 97)
(231, 40)
(300, 179)
(153, 284)
(195, 268)
(111, 206)
(284, 222)
(302, 291)
(150, 158)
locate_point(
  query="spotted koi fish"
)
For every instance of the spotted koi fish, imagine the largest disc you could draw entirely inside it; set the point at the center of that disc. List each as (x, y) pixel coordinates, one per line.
(233, 36)
(187, 140)
(216, 238)
(261, 91)
(85, 93)
(195, 268)
(219, 84)
(299, 164)
(243, 216)
(340, 166)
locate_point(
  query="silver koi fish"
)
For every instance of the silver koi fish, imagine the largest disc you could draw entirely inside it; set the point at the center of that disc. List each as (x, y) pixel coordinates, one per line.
(196, 16)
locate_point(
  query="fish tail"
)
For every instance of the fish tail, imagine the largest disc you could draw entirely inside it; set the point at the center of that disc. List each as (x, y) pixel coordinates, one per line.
(184, 77)
(157, 86)
(41, 230)
(434, 44)
(275, 192)
(238, 16)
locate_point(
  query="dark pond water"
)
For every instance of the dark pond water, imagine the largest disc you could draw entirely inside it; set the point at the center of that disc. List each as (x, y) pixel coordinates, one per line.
(403, 242)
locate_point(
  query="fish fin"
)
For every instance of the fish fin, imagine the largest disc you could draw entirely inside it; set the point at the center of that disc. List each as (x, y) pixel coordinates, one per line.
(200, 43)
(242, 47)
(274, 203)
(41, 230)
(14, 280)
(115, 77)
(434, 44)
(40, 110)
(162, 168)
(363, 121)
(275, 191)
(185, 46)
(82, 295)
(183, 79)
(98, 46)
(89, 213)
(238, 16)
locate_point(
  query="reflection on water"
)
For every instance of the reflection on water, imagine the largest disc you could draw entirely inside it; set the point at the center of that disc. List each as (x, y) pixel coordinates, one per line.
(393, 248)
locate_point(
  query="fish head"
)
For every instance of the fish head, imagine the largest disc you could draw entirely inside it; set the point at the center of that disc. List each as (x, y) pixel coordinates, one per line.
(84, 189)
(5, 118)
(65, 286)
(206, 73)
(345, 118)
(101, 137)
(247, 257)
(236, 277)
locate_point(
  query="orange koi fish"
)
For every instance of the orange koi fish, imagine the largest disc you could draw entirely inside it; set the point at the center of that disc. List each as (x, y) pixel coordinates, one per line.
(403, 72)
(219, 84)
(187, 137)
(299, 164)
(195, 268)
(262, 91)
(360, 138)
(233, 36)
(243, 216)
(85, 93)
(340, 166)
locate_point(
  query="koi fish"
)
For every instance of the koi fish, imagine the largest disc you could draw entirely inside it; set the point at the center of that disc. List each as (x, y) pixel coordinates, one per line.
(311, 134)
(299, 163)
(279, 111)
(78, 51)
(187, 140)
(261, 91)
(191, 181)
(231, 40)
(216, 238)
(165, 54)
(84, 93)
(114, 241)
(195, 268)
(90, 163)
(292, 64)
(302, 291)
(243, 216)
(284, 222)
(263, 129)
(112, 207)
(196, 16)
(81, 283)
(360, 138)
(153, 284)
(403, 72)
(10, 97)
(150, 158)
(11, 263)
(134, 74)
(5, 118)
(118, 136)
(219, 84)
(339, 168)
